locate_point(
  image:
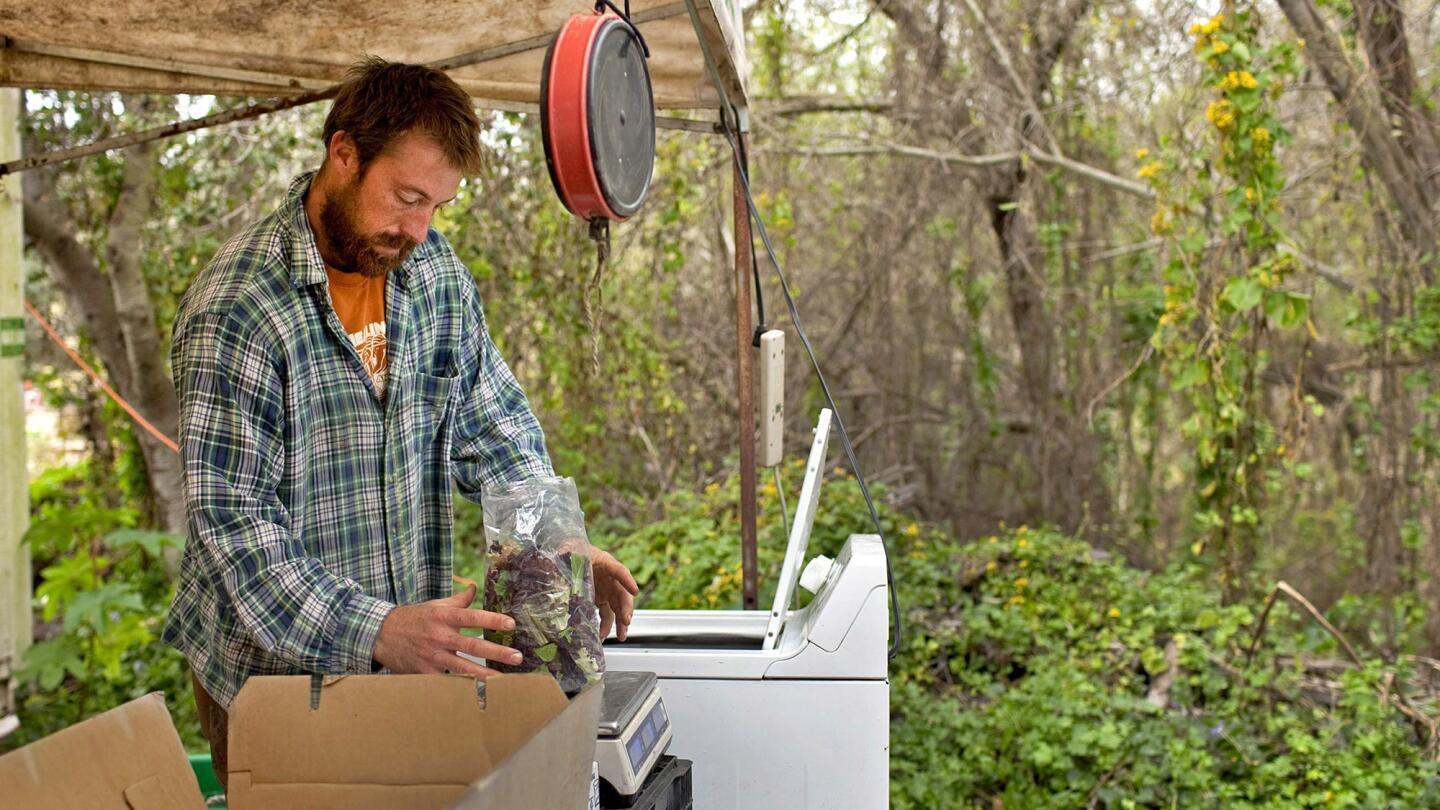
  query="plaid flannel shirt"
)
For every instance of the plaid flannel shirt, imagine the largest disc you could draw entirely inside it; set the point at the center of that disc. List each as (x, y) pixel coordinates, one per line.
(313, 507)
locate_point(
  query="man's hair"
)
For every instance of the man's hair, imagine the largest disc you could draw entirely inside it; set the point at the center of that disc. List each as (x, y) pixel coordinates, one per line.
(380, 102)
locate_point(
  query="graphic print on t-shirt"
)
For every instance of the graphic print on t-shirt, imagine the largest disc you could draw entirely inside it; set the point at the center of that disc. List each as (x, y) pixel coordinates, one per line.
(360, 304)
(370, 343)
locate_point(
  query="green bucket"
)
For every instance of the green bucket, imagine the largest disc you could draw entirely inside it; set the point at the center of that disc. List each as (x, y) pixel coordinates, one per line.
(205, 774)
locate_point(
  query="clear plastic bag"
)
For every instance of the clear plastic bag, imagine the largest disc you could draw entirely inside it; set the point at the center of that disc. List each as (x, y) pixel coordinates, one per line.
(538, 572)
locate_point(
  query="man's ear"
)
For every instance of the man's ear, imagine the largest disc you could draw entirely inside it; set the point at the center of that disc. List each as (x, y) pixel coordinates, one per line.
(343, 155)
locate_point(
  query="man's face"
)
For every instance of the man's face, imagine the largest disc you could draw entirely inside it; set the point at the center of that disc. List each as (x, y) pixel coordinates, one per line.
(371, 223)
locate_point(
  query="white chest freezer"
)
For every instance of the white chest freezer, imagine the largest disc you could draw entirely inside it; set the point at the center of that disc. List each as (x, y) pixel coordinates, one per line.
(779, 709)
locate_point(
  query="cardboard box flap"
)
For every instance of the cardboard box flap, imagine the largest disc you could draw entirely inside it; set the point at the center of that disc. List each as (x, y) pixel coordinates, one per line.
(129, 758)
(150, 793)
(529, 778)
(384, 729)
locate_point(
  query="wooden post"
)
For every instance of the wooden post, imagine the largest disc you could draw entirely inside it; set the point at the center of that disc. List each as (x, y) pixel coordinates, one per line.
(15, 630)
(744, 386)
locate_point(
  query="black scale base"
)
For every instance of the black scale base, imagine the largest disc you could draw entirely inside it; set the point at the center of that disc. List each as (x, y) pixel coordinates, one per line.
(667, 788)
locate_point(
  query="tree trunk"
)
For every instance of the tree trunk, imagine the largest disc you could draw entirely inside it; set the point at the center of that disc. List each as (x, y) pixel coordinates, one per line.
(1405, 174)
(117, 313)
(1063, 454)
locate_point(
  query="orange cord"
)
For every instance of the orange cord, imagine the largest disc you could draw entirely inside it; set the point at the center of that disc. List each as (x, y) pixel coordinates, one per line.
(84, 366)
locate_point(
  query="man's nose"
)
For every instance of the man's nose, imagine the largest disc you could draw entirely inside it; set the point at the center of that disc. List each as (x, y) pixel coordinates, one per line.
(416, 225)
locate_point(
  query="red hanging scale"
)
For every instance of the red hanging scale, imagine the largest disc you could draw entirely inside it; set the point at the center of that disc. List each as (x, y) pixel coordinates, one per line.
(597, 116)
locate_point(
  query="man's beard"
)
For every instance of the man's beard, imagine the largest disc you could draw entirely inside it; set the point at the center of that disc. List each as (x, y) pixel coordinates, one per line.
(352, 252)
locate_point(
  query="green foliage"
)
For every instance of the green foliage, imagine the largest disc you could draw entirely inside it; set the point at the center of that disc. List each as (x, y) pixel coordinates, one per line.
(102, 600)
(1026, 680)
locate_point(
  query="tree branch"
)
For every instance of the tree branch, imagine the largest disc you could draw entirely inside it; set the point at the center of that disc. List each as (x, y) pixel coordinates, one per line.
(802, 105)
(988, 161)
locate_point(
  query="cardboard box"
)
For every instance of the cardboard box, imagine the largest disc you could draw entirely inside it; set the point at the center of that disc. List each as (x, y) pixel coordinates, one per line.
(128, 758)
(374, 741)
(411, 741)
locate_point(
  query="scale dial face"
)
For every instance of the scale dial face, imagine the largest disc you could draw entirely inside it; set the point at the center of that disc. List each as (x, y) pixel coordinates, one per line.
(597, 117)
(622, 118)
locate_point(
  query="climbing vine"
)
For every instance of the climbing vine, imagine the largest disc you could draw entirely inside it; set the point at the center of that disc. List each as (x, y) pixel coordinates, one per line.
(1227, 282)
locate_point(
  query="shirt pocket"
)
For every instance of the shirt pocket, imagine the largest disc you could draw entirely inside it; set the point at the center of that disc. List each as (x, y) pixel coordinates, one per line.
(432, 405)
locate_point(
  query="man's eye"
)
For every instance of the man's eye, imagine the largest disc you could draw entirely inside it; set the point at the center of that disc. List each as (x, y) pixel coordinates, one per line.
(407, 200)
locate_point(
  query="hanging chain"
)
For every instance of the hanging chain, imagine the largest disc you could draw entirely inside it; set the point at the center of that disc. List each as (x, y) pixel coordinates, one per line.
(594, 296)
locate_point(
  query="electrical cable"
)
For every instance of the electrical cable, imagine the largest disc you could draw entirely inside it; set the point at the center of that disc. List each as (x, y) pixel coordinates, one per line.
(761, 325)
(784, 513)
(601, 5)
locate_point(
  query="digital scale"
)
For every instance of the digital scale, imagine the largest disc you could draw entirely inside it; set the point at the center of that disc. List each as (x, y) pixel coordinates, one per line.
(634, 731)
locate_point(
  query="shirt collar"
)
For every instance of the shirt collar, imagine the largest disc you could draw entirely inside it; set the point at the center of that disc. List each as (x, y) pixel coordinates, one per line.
(307, 267)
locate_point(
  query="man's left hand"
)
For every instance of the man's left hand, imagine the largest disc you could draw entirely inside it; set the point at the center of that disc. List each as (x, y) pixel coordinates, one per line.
(615, 592)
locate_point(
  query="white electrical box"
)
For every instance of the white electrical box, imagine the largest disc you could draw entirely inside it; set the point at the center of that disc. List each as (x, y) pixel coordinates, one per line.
(772, 398)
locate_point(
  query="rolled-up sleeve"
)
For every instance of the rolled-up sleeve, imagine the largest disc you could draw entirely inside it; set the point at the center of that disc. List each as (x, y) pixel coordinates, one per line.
(232, 428)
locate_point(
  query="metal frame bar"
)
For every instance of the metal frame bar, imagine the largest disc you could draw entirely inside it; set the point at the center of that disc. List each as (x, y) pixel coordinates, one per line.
(166, 65)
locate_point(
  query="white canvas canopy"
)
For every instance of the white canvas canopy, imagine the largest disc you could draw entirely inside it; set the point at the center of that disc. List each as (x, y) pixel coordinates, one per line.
(283, 48)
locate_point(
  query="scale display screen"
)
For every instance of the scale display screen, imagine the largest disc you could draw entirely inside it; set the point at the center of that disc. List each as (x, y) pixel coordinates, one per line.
(647, 735)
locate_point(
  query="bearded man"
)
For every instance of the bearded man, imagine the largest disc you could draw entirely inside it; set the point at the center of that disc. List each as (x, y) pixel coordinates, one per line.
(336, 380)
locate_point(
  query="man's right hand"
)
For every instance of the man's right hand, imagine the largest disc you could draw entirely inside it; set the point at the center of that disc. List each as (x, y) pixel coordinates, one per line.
(424, 638)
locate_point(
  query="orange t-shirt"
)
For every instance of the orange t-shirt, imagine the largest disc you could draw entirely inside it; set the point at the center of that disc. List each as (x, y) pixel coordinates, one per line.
(360, 303)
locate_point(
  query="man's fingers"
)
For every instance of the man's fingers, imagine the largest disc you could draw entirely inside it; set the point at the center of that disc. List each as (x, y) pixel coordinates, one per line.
(463, 598)
(470, 617)
(454, 663)
(617, 571)
(488, 650)
(607, 618)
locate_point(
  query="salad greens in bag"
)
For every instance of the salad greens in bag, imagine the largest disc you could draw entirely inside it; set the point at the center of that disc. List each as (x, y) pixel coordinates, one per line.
(538, 572)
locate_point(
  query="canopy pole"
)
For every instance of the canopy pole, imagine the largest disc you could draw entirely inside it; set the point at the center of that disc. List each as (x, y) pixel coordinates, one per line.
(744, 384)
(15, 629)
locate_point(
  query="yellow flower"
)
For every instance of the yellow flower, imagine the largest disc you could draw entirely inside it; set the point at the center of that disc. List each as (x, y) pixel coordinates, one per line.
(1114, 613)
(1220, 113)
(1220, 46)
(711, 489)
(990, 567)
(1149, 169)
(1260, 134)
(912, 530)
(1213, 24)
(1250, 194)
(768, 490)
(1024, 563)
(1021, 543)
(1197, 28)
(1237, 78)
(1017, 600)
(1142, 153)
(1159, 223)
(1021, 583)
